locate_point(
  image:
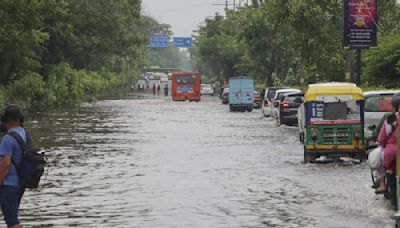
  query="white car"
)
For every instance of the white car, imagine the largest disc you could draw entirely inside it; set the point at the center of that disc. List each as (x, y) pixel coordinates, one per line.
(377, 103)
(164, 80)
(277, 99)
(269, 96)
(207, 89)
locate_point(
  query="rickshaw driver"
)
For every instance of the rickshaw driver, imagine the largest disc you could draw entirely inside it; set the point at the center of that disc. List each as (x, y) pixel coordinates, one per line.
(388, 140)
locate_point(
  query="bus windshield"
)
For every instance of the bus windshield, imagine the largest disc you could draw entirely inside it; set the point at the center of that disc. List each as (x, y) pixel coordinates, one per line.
(186, 79)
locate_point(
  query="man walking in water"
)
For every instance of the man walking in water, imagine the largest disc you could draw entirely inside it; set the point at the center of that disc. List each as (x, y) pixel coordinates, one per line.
(154, 88)
(166, 90)
(11, 153)
(158, 89)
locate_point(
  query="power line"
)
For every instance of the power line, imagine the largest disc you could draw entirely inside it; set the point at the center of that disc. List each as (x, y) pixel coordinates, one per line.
(183, 8)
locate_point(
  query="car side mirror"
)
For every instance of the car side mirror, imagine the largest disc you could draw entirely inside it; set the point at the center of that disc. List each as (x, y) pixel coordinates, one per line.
(372, 127)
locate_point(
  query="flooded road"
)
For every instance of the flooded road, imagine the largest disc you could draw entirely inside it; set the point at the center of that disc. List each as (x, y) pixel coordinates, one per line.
(155, 163)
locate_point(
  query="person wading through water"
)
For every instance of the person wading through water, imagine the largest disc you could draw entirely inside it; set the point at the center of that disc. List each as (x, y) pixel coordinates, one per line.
(11, 153)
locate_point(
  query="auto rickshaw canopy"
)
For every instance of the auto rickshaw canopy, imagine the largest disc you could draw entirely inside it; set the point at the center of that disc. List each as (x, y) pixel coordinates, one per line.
(315, 91)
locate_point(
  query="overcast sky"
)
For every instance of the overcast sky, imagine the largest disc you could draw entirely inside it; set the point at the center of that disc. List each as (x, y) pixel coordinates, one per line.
(183, 15)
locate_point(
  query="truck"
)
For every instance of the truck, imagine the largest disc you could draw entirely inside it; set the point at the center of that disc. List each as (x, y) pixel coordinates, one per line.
(241, 94)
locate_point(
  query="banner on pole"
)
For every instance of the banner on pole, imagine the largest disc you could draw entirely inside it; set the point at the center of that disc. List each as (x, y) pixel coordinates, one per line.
(360, 23)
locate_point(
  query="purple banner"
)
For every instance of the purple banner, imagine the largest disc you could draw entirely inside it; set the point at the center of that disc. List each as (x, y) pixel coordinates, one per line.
(360, 23)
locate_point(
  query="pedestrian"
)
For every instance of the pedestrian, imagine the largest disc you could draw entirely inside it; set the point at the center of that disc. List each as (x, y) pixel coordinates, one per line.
(158, 89)
(11, 153)
(154, 88)
(166, 90)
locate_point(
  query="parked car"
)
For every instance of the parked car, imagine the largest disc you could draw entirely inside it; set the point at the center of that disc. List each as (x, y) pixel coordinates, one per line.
(288, 107)
(274, 104)
(257, 99)
(225, 96)
(241, 94)
(207, 89)
(377, 104)
(268, 97)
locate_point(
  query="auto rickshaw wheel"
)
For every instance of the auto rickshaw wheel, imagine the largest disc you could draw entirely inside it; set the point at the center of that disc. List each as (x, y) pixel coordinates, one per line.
(250, 109)
(308, 158)
(301, 137)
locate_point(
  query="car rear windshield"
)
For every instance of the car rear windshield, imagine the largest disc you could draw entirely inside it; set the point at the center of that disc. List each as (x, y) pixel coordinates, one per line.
(186, 79)
(378, 103)
(271, 93)
(298, 99)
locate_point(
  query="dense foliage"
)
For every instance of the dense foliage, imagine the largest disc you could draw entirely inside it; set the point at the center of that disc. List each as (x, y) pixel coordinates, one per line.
(276, 40)
(61, 52)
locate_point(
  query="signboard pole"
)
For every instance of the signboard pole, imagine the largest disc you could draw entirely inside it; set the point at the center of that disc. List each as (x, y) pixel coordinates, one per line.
(349, 61)
(357, 78)
(360, 29)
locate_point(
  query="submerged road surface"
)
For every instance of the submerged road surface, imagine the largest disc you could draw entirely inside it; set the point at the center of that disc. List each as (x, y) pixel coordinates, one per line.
(156, 163)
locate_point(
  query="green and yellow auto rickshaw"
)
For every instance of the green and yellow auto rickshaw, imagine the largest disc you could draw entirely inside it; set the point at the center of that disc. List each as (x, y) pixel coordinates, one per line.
(333, 121)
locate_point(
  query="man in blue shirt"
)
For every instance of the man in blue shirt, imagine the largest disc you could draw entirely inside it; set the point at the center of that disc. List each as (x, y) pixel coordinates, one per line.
(11, 153)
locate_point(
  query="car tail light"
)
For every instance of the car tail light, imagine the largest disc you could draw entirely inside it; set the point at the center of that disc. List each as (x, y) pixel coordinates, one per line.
(285, 105)
(226, 94)
(266, 103)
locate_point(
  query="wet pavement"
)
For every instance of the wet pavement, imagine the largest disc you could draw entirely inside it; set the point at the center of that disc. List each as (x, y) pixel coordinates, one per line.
(156, 163)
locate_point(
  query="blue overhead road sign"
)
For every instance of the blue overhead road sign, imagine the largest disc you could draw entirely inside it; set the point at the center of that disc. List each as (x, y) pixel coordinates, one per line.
(158, 42)
(183, 42)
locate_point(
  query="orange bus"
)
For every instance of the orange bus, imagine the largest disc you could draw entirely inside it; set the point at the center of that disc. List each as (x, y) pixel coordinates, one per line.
(186, 86)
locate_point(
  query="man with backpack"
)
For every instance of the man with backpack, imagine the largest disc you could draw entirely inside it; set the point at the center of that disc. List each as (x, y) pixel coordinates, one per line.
(20, 167)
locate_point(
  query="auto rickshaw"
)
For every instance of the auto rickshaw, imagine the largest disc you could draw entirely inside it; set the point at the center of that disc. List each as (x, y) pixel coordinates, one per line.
(333, 122)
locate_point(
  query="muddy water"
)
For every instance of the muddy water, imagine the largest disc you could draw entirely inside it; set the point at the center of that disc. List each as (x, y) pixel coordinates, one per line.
(155, 163)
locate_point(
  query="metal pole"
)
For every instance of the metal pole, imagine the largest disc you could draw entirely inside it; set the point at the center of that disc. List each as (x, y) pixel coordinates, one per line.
(302, 71)
(226, 4)
(234, 4)
(348, 65)
(357, 78)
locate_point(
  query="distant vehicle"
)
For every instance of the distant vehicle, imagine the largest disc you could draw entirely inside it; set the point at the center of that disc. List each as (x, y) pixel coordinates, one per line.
(267, 102)
(186, 86)
(207, 89)
(377, 104)
(287, 109)
(164, 80)
(241, 94)
(274, 104)
(257, 99)
(225, 96)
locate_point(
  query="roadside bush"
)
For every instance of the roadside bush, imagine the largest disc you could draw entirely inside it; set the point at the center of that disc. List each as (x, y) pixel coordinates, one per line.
(28, 91)
(64, 86)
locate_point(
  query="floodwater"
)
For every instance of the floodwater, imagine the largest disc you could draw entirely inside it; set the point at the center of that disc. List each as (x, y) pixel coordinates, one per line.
(156, 163)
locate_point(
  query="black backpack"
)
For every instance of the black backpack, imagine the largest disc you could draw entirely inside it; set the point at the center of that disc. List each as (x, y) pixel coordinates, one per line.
(31, 168)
